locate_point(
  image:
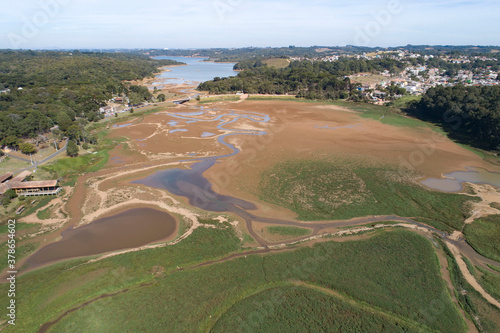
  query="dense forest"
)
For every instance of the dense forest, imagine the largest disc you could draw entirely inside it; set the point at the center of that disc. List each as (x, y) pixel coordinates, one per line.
(312, 80)
(42, 89)
(469, 113)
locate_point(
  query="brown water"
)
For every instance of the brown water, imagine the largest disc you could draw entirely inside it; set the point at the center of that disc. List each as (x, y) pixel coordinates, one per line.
(132, 228)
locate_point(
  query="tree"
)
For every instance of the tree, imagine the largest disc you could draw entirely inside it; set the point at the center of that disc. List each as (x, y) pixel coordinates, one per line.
(72, 149)
(63, 120)
(8, 196)
(162, 97)
(73, 133)
(10, 141)
(27, 148)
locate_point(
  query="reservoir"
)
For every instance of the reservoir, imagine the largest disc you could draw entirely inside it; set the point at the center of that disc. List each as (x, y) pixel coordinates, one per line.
(129, 229)
(196, 70)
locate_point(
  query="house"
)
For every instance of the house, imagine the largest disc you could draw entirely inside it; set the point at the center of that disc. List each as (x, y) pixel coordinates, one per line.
(107, 109)
(28, 188)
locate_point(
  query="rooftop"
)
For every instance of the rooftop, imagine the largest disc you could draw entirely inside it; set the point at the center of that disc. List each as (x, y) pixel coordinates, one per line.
(22, 176)
(5, 176)
(35, 184)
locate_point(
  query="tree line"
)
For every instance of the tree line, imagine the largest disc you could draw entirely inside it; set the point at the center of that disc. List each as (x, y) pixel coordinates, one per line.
(311, 80)
(468, 113)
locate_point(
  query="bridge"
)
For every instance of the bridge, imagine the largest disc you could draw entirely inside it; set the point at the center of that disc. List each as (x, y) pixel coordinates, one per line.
(181, 101)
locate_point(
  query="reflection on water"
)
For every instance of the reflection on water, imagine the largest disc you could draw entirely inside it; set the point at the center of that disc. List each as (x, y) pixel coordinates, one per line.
(454, 181)
(130, 229)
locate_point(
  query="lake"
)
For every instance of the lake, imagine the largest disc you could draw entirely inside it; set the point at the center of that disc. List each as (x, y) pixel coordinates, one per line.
(196, 70)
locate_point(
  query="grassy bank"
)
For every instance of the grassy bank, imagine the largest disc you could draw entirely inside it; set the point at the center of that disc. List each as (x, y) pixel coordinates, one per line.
(288, 231)
(486, 317)
(324, 190)
(396, 273)
(484, 236)
(218, 99)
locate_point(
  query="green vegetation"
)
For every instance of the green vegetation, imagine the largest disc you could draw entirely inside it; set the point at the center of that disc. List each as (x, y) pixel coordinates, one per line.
(72, 149)
(484, 236)
(490, 282)
(288, 231)
(45, 213)
(48, 292)
(19, 227)
(218, 99)
(62, 88)
(325, 190)
(276, 97)
(403, 102)
(251, 53)
(396, 273)
(313, 80)
(486, 317)
(299, 309)
(70, 167)
(384, 114)
(39, 203)
(277, 62)
(470, 114)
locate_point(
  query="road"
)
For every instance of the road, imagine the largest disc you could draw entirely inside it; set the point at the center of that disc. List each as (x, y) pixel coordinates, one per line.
(48, 158)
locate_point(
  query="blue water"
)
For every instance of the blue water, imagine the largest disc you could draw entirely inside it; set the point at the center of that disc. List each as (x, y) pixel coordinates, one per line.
(196, 70)
(120, 126)
(178, 130)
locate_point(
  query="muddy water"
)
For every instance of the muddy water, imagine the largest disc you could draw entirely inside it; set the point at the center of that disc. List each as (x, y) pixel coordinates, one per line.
(190, 183)
(129, 229)
(454, 181)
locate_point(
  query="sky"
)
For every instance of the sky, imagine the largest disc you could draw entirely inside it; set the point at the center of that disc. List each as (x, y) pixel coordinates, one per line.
(105, 24)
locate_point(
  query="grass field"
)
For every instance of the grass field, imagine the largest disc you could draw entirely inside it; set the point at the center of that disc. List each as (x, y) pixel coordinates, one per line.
(11, 165)
(277, 98)
(323, 190)
(219, 99)
(300, 309)
(386, 115)
(403, 102)
(277, 62)
(288, 231)
(484, 236)
(44, 214)
(69, 168)
(396, 273)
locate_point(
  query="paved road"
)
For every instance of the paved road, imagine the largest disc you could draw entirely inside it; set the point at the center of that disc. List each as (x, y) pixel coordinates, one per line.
(48, 158)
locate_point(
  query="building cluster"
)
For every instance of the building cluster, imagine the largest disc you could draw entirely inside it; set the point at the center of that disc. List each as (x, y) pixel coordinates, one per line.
(23, 187)
(417, 79)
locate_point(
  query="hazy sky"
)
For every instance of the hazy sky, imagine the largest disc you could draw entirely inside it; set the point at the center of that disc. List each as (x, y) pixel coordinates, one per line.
(236, 23)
